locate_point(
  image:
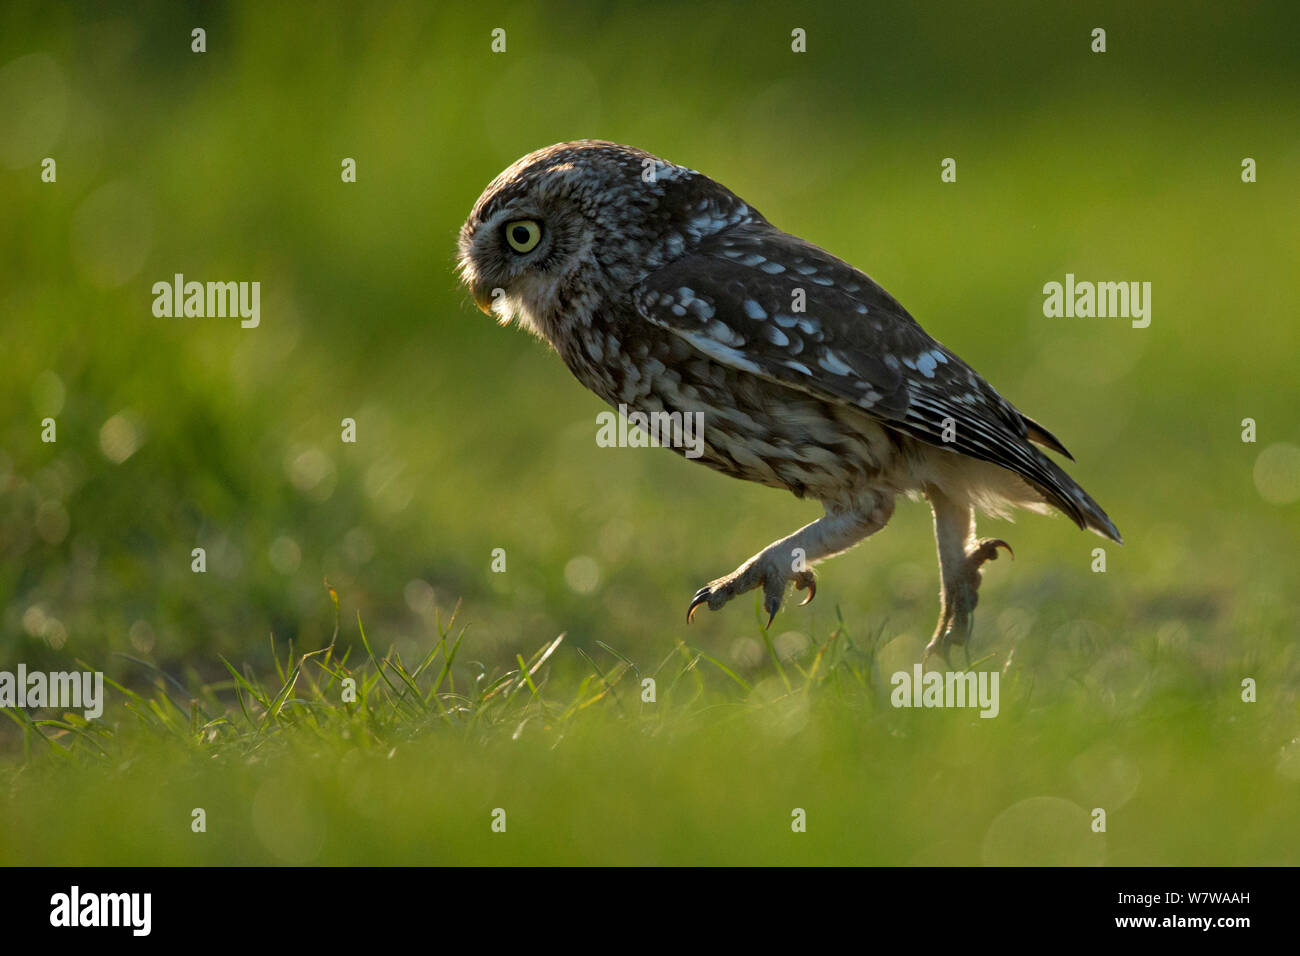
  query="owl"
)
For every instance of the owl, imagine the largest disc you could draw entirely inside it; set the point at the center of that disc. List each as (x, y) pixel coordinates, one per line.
(664, 292)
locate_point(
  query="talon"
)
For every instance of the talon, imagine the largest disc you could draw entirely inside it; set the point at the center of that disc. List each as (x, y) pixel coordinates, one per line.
(810, 586)
(988, 549)
(701, 596)
(771, 607)
(941, 647)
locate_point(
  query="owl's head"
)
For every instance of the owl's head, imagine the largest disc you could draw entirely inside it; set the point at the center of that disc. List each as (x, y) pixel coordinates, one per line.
(575, 224)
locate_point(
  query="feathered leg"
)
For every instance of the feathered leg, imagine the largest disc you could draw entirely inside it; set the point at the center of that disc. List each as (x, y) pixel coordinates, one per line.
(961, 556)
(791, 558)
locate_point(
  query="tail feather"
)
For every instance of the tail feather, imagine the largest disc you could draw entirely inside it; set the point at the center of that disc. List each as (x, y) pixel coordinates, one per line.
(1064, 493)
(1040, 435)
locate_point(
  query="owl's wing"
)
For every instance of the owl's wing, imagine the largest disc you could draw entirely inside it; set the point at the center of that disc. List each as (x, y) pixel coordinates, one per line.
(736, 299)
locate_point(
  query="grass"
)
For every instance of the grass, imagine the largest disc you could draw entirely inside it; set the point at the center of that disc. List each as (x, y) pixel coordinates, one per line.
(589, 767)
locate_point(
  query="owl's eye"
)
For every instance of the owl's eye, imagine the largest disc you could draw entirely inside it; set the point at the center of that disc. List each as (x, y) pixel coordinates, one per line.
(523, 234)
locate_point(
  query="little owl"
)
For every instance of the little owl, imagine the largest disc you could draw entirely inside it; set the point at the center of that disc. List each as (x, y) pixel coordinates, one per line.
(663, 291)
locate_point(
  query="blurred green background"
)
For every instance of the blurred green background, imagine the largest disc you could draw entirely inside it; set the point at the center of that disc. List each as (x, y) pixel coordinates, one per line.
(183, 433)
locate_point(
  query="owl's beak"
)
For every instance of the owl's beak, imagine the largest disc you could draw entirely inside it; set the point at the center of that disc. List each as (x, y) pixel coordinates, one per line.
(483, 299)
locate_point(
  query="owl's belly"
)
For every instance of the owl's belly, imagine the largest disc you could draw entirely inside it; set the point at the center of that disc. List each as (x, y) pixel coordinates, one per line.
(751, 428)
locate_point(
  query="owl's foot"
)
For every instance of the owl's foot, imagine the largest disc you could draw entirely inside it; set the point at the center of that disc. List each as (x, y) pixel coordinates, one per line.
(960, 594)
(790, 559)
(768, 572)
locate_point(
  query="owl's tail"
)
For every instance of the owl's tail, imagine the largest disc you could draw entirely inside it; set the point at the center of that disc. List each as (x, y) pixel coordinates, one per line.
(1064, 493)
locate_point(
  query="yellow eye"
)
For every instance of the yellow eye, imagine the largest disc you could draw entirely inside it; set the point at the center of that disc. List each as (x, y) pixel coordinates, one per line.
(523, 234)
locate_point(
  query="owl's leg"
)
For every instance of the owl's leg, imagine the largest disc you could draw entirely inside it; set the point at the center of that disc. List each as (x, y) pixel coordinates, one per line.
(791, 558)
(961, 555)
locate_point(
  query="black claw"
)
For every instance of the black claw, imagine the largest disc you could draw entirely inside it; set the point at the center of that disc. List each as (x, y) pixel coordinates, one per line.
(771, 607)
(993, 544)
(701, 596)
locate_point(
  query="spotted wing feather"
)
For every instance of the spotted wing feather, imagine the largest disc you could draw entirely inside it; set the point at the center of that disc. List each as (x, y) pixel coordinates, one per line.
(734, 299)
